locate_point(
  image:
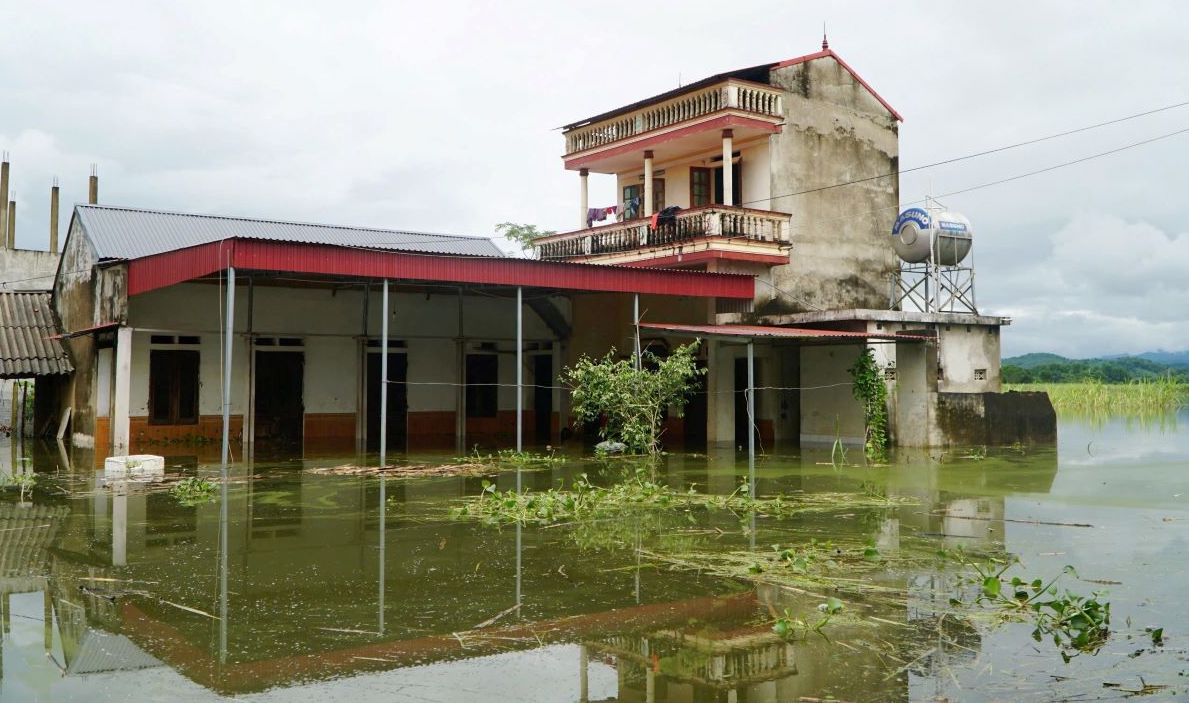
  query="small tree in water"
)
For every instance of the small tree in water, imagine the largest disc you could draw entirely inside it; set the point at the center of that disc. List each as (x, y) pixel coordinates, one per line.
(869, 389)
(633, 401)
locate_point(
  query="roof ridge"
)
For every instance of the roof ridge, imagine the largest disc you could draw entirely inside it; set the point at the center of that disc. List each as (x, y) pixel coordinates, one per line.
(209, 216)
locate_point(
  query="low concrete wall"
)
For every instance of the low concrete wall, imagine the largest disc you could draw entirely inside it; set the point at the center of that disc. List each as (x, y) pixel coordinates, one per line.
(994, 419)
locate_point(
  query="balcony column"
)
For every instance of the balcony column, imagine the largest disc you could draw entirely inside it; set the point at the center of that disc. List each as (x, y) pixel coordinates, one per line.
(648, 183)
(584, 197)
(728, 175)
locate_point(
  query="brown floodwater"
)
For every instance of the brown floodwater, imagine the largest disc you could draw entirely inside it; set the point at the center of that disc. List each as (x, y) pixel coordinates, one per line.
(302, 586)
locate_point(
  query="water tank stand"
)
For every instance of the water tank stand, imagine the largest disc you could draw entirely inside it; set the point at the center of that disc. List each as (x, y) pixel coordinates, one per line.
(926, 287)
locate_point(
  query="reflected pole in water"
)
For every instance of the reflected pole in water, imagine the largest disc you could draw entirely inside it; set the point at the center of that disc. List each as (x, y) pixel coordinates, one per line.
(228, 336)
(583, 676)
(383, 451)
(519, 551)
(751, 418)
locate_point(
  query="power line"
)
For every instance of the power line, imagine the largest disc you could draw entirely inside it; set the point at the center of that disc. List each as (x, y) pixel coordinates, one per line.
(987, 152)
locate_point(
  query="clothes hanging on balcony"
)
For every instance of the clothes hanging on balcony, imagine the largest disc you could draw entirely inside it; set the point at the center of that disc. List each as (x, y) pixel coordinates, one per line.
(631, 208)
(664, 217)
(598, 214)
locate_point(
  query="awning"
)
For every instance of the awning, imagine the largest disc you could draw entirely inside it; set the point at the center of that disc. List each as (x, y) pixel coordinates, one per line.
(746, 332)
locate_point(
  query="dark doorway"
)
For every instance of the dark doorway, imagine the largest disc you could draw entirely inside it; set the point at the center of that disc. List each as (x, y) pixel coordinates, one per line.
(280, 410)
(736, 185)
(741, 402)
(543, 398)
(398, 402)
(695, 414)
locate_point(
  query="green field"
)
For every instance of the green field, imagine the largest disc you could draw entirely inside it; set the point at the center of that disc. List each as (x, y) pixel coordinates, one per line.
(1150, 397)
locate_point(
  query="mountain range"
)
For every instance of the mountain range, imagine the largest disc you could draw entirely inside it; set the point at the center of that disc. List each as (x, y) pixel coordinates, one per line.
(1044, 367)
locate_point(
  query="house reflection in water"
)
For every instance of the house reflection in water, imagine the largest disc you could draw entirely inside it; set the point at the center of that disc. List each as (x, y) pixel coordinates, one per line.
(312, 593)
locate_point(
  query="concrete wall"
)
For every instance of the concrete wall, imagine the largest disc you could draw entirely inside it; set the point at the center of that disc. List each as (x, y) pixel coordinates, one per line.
(829, 409)
(25, 269)
(834, 131)
(969, 359)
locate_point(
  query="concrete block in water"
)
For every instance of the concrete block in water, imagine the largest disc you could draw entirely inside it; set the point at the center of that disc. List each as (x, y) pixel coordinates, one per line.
(134, 466)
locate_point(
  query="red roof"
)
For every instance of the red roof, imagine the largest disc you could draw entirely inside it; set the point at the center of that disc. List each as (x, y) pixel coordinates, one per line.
(172, 267)
(758, 331)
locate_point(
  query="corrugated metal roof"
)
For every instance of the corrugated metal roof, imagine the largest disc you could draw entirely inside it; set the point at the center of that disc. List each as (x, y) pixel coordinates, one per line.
(130, 233)
(757, 332)
(103, 651)
(26, 327)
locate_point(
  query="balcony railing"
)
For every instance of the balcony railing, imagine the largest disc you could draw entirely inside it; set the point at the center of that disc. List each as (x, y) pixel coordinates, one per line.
(715, 221)
(728, 95)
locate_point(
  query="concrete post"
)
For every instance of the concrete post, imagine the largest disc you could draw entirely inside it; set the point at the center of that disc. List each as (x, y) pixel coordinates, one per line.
(751, 419)
(54, 217)
(12, 224)
(228, 339)
(648, 183)
(120, 431)
(519, 378)
(4, 201)
(728, 171)
(584, 197)
(93, 186)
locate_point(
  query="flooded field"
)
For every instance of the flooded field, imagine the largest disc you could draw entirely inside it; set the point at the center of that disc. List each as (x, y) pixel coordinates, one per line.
(310, 586)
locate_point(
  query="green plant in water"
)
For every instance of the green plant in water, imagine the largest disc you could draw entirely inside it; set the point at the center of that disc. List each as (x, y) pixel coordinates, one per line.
(870, 390)
(633, 401)
(1076, 624)
(193, 491)
(790, 627)
(23, 482)
(514, 458)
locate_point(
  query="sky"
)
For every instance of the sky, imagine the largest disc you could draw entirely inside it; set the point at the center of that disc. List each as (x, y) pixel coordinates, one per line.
(443, 117)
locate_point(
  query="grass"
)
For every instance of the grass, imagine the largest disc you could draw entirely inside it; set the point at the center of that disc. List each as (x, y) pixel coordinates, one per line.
(194, 491)
(1094, 398)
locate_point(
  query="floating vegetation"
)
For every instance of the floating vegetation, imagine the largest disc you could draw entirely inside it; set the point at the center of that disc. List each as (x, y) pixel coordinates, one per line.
(790, 627)
(584, 500)
(194, 491)
(1094, 398)
(463, 468)
(1076, 624)
(513, 458)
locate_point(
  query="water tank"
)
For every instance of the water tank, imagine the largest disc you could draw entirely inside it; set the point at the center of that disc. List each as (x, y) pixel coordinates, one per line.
(950, 232)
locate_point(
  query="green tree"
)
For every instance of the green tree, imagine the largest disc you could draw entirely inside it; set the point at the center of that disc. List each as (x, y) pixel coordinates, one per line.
(524, 235)
(633, 401)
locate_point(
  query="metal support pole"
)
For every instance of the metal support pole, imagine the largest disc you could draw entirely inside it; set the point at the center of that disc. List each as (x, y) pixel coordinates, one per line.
(384, 374)
(751, 418)
(228, 343)
(636, 324)
(519, 378)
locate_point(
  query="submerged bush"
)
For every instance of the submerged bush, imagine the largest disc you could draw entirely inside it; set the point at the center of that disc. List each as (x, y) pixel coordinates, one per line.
(193, 491)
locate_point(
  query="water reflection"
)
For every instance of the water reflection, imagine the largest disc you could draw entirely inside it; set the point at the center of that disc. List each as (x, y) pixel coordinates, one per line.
(295, 585)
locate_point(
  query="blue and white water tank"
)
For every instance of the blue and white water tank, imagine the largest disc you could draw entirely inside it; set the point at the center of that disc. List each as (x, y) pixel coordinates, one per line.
(950, 233)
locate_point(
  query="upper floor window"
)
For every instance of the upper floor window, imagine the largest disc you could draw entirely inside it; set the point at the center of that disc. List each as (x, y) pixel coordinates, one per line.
(701, 187)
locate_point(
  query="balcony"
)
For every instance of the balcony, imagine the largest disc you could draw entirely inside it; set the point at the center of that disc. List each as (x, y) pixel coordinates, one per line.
(693, 237)
(732, 103)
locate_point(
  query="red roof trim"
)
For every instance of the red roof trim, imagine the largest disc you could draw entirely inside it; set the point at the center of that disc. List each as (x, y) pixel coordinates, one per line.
(723, 122)
(170, 268)
(701, 257)
(824, 53)
(750, 331)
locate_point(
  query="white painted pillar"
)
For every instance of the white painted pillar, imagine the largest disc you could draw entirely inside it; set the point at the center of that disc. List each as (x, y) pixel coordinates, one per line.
(584, 196)
(121, 393)
(648, 202)
(728, 170)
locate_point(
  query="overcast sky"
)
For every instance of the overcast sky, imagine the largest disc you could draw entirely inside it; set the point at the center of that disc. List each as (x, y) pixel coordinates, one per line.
(442, 117)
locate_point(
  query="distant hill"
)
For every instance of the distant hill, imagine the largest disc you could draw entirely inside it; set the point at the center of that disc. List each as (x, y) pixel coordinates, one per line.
(1053, 368)
(1031, 361)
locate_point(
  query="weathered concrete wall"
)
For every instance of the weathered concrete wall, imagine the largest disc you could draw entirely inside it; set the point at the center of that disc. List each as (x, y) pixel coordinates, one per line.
(994, 419)
(829, 409)
(25, 269)
(75, 306)
(835, 131)
(969, 358)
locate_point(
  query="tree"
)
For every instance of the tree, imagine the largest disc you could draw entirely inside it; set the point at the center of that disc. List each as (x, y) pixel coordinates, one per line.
(524, 235)
(633, 401)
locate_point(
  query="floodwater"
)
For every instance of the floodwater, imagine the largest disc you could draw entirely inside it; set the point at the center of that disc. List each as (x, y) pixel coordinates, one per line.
(349, 588)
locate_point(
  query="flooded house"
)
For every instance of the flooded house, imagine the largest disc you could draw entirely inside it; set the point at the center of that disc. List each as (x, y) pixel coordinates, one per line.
(755, 210)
